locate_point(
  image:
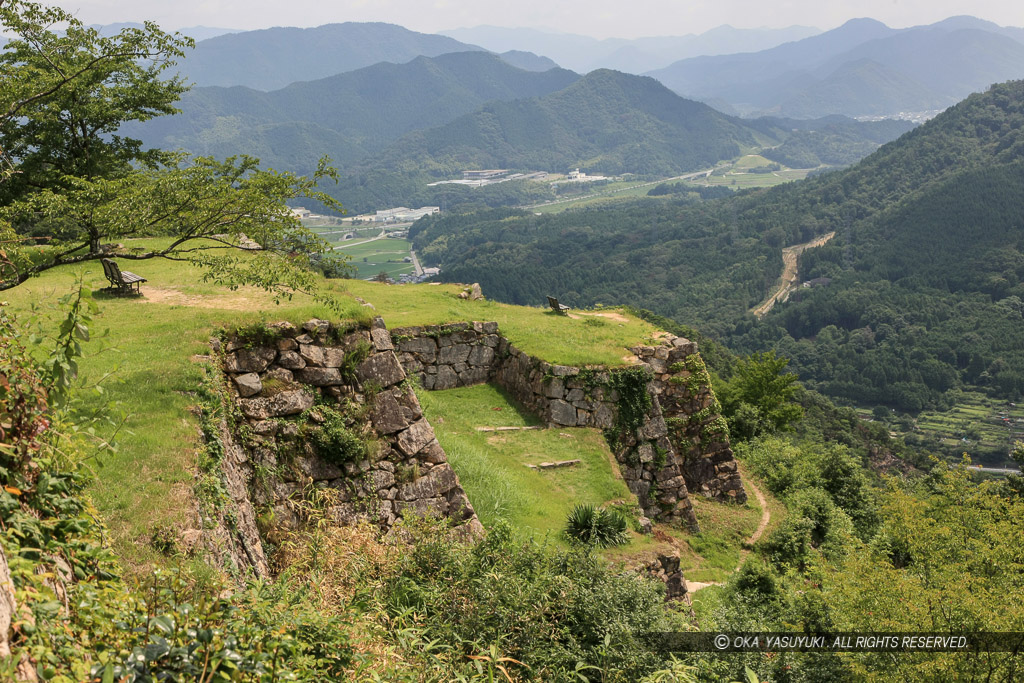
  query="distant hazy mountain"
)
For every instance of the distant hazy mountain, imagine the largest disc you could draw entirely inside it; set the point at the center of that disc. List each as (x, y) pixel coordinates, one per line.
(528, 60)
(196, 33)
(348, 116)
(607, 122)
(272, 58)
(583, 53)
(863, 67)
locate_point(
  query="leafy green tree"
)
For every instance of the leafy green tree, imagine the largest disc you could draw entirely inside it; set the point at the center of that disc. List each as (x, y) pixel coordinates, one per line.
(229, 217)
(761, 398)
(64, 95)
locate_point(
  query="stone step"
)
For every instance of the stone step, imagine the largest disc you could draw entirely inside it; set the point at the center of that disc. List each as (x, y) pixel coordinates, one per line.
(553, 465)
(507, 429)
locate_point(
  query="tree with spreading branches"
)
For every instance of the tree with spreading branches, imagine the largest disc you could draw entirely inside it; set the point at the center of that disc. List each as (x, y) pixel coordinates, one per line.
(74, 189)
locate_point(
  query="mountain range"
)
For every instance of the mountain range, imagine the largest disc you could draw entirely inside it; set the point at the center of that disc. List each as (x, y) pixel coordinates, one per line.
(349, 116)
(861, 68)
(924, 277)
(584, 54)
(273, 58)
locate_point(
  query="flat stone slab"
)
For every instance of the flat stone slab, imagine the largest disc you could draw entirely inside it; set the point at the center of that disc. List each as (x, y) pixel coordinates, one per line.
(554, 465)
(507, 429)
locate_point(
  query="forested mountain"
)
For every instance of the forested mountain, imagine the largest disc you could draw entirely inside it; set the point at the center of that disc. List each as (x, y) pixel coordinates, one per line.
(927, 266)
(860, 68)
(583, 53)
(272, 58)
(348, 116)
(607, 122)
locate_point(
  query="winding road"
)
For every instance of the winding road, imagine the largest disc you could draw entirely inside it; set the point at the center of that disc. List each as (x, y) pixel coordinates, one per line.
(790, 278)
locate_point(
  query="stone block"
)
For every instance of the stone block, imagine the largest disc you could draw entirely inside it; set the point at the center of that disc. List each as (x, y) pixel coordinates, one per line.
(280, 374)
(279, 405)
(481, 356)
(381, 339)
(423, 347)
(561, 413)
(287, 345)
(320, 377)
(387, 416)
(250, 360)
(446, 378)
(291, 360)
(382, 368)
(312, 354)
(316, 326)
(450, 355)
(555, 388)
(653, 428)
(248, 384)
(381, 479)
(333, 356)
(415, 438)
(439, 481)
(316, 468)
(473, 376)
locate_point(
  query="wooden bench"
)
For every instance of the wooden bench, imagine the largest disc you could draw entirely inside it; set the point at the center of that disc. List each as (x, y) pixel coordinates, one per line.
(560, 309)
(121, 281)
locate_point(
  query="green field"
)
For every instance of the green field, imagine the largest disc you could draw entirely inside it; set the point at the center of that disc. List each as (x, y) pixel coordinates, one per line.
(154, 347)
(606, 193)
(492, 465)
(492, 470)
(370, 258)
(984, 428)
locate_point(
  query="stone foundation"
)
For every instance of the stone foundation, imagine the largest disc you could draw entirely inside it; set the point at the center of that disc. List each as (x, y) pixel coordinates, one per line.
(276, 390)
(679, 445)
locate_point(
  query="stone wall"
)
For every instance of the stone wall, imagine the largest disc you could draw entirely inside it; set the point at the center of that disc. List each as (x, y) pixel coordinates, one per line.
(280, 389)
(699, 434)
(676, 445)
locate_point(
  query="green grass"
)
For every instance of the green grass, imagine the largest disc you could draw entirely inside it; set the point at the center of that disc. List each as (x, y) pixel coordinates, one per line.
(537, 331)
(371, 258)
(492, 465)
(599, 195)
(153, 339)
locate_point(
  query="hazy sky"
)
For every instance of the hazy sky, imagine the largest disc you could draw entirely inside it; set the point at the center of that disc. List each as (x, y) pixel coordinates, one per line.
(599, 18)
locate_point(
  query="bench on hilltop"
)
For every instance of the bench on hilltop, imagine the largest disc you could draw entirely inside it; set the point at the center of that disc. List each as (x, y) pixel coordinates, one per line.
(121, 281)
(560, 309)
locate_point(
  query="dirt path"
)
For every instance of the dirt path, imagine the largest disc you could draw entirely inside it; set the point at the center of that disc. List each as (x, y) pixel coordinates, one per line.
(790, 278)
(766, 517)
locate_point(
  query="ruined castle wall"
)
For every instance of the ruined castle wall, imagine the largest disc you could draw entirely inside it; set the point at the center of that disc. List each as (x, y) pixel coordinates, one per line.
(276, 391)
(654, 456)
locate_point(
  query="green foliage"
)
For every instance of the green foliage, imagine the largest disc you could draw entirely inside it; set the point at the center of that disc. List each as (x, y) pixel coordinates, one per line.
(634, 400)
(65, 95)
(595, 526)
(553, 611)
(788, 468)
(335, 438)
(760, 398)
(78, 620)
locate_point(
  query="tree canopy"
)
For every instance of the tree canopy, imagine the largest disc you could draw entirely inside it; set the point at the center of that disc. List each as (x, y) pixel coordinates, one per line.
(72, 184)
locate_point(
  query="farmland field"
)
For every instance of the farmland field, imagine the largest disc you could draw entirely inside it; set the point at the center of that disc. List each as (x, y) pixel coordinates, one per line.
(370, 258)
(984, 428)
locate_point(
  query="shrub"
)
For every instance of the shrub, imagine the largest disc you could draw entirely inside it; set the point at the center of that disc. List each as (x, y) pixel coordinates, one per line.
(595, 526)
(334, 441)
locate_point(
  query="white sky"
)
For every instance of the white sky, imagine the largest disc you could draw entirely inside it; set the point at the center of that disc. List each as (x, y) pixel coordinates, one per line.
(598, 18)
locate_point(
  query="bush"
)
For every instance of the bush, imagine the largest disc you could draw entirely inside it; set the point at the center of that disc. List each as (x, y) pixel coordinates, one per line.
(334, 441)
(553, 610)
(595, 526)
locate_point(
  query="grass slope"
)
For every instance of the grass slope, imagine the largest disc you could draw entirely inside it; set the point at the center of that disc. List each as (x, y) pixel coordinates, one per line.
(147, 483)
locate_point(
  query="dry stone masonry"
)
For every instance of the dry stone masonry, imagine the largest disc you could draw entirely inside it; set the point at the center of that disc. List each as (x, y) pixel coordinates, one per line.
(660, 414)
(295, 392)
